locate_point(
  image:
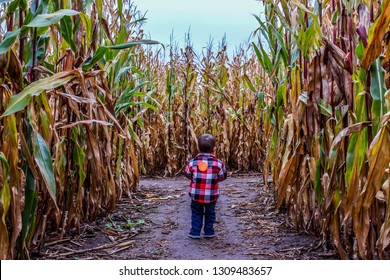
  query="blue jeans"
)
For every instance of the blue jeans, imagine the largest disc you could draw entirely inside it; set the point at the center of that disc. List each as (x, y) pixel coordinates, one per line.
(200, 211)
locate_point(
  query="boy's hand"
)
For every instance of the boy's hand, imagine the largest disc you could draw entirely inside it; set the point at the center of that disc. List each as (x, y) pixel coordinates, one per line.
(229, 173)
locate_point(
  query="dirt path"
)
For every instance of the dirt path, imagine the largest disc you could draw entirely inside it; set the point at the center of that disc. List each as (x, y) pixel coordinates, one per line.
(155, 226)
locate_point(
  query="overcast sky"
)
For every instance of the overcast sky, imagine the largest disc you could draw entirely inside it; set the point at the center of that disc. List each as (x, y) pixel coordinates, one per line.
(205, 18)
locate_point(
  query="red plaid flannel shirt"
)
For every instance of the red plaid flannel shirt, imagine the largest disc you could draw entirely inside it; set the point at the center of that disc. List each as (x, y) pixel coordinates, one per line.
(204, 184)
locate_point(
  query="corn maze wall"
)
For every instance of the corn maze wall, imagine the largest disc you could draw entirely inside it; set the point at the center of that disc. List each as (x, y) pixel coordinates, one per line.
(195, 95)
(328, 149)
(87, 106)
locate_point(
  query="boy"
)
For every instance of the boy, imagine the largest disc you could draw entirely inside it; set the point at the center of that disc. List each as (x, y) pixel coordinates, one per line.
(204, 171)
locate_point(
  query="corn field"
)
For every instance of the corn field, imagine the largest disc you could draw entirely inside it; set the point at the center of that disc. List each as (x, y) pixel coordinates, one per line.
(87, 106)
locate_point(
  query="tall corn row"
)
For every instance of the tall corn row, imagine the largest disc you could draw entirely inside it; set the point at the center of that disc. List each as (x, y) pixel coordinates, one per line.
(192, 94)
(329, 141)
(66, 155)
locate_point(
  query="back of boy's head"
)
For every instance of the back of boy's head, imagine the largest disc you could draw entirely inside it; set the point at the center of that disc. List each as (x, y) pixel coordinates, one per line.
(206, 143)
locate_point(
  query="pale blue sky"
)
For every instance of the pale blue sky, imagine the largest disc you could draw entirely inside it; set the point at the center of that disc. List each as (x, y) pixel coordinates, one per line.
(205, 18)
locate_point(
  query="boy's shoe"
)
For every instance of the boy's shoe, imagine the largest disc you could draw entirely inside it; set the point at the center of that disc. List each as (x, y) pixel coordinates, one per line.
(193, 236)
(209, 235)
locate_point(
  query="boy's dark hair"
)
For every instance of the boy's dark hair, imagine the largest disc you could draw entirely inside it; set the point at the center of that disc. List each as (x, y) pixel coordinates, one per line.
(206, 143)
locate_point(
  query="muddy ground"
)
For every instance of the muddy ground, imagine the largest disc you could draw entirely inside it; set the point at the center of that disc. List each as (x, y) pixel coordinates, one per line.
(155, 224)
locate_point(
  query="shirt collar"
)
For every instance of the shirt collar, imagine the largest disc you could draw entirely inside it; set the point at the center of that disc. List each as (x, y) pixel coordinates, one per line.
(205, 155)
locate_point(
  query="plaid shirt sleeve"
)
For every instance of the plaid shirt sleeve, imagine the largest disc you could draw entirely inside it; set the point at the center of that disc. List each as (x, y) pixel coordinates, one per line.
(188, 172)
(222, 173)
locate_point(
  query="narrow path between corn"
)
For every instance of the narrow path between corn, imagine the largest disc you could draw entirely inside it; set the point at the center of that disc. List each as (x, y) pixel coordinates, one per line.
(155, 224)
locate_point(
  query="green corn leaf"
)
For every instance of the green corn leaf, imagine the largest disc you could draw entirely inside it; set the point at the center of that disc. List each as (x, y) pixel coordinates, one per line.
(335, 16)
(295, 55)
(121, 72)
(98, 55)
(133, 134)
(360, 50)
(45, 165)
(326, 109)
(264, 59)
(286, 11)
(99, 8)
(4, 162)
(8, 40)
(42, 5)
(145, 104)
(362, 140)
(258, 54)
(29, 210)
(279, 96)
(121, 38)
(267, 34)
(309, 39)
(48, 19)
(378, 90)
(5, 193)
(25, 30)
(350, 161)
(5, 202)
(66, 24)
(132, 44)
(42, 44)
(249, 84)
(282, 44)
(87, 25)
(86, 3)
(12, 6)
(128, 94)
(139, 94)
(19, 101)
(317, 183)
(260, 98)
(357, 148)
(120, 7)
(101, 51)
(354, 128)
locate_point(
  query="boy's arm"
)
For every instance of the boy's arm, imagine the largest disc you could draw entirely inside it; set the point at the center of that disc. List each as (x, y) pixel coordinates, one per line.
(188, 171)
(222, 173)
